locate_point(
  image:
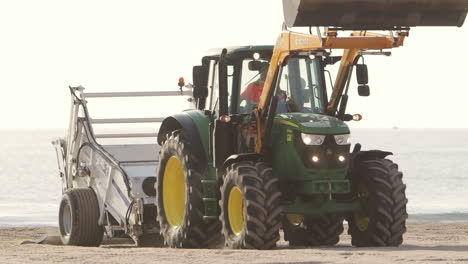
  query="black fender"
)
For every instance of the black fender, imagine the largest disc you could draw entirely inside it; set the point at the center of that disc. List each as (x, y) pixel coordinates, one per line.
(371, 154)
(362, 155)
(187, 125)
(359, 156)
(242, 157)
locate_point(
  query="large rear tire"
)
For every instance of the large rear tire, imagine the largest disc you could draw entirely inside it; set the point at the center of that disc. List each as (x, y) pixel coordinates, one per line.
(380, 183)
(250, 206)
(313, 231)
(179, 197)
(78, 218)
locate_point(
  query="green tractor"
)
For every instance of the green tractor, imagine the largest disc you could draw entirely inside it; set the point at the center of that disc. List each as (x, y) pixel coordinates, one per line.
(213, 184)
(268, 148)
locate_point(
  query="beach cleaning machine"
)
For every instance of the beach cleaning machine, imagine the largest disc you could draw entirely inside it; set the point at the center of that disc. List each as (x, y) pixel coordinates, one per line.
(107, 188)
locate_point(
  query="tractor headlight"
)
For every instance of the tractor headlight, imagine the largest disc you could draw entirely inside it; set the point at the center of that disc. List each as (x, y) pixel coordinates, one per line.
(343, 139)
(309, 139)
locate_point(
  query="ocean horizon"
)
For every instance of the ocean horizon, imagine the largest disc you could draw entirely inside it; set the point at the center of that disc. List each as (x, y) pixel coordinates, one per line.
(434, 163)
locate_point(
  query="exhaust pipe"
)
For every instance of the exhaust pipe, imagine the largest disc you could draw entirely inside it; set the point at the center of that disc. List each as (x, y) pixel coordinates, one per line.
(374, 14)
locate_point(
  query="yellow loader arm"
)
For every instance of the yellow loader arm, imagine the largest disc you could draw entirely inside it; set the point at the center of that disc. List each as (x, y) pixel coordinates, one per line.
(289, 42)
(352, 15)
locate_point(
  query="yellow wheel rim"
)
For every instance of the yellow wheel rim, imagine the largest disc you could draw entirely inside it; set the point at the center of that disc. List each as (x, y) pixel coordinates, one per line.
(362, 221)
(236, 210)
(295, 219)
(174, 192)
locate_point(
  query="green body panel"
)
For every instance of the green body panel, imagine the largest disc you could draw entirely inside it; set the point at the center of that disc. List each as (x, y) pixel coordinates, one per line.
(288, 167)
(313, 123)
(202, 123)
(322, 207)
(325, 186)
(296, 180)
(209, 181)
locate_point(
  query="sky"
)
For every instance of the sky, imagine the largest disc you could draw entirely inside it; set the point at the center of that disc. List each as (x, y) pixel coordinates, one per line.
(147, 45)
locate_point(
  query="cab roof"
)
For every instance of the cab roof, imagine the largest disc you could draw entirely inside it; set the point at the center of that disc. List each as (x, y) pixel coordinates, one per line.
(242, 51)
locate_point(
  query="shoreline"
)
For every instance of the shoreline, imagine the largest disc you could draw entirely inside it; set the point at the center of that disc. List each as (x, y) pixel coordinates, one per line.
(424, 243)
(454, 217)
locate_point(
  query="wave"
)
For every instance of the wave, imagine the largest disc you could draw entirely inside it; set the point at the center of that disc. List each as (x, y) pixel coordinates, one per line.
(443, 217)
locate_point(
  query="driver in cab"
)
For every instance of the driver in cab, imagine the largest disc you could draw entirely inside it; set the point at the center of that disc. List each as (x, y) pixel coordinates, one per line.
(253, 91)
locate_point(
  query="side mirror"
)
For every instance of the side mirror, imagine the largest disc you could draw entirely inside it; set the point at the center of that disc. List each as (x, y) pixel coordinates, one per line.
(355, 117)
(200, 81)
(361, 74)
(363, 90)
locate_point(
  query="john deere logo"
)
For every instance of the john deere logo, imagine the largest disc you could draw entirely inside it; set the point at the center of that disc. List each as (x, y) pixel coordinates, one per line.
(329, 152)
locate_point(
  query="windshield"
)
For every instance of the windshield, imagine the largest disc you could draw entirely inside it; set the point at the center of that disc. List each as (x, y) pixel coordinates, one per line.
(300, 87)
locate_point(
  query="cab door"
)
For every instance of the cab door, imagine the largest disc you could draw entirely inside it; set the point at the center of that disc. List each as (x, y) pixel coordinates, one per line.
(222, 131)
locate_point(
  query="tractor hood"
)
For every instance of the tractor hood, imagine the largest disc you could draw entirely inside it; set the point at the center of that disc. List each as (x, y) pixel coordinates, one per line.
(312, 123)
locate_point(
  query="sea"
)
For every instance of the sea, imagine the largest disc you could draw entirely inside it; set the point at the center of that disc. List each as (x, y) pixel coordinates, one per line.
(434, 163)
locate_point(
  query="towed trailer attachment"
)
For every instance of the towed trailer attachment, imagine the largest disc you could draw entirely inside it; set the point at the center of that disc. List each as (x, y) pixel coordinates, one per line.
(374, 14)
(113, 184)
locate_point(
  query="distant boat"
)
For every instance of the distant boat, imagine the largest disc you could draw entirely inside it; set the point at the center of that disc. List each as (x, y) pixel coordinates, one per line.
(395, 127)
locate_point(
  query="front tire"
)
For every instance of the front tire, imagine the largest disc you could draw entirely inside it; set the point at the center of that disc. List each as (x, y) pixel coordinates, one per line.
(380, 184)
(78, 218)
(250, 208)
(179, 197)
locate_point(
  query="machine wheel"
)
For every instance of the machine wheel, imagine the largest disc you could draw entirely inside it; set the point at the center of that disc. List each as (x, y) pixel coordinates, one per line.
(312, 231)
(179, 197)
(78, 218)
(250, 206)
(380, 184)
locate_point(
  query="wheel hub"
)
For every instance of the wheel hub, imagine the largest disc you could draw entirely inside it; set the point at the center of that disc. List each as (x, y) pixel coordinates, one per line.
(362, 220)
(174, 192)
(236, 210)
(67, 219)
(295, 219)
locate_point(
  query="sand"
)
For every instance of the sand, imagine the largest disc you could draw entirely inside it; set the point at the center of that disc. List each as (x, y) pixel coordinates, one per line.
(424, 243)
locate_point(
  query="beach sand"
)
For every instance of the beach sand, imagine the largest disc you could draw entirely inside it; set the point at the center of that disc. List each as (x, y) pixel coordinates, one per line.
(424, 243)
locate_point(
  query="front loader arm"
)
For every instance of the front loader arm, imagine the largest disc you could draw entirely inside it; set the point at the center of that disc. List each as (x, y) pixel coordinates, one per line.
(287, 42)
(358, 41)
(290, 42)
(347, 62)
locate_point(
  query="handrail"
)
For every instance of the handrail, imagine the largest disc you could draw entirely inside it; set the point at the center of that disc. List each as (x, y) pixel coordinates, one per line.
(126, 135)
(91, 140)
(135, 94)
(126, 120)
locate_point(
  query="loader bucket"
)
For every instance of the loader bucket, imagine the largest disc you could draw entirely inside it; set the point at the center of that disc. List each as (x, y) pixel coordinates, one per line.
(374, 14)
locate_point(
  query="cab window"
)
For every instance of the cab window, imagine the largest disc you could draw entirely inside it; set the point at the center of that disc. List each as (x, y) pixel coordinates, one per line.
(300, 88)
(213, 85)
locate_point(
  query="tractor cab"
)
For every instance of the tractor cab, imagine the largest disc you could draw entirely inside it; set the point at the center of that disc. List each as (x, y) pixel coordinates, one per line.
(299, 96)
(246, 69)
(300, 88)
